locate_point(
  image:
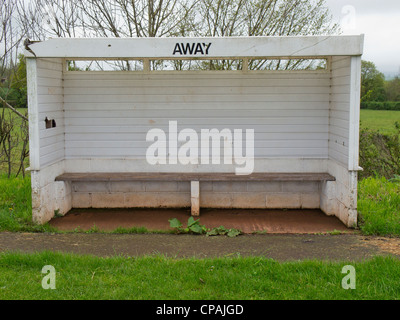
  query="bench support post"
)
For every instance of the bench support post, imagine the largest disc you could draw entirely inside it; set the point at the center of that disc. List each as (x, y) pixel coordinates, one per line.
(195, 198)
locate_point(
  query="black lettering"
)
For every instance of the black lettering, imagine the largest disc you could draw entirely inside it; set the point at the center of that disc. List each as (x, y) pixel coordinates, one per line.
(199, 49)
(177, 49)
(188, 48)
(207, 46)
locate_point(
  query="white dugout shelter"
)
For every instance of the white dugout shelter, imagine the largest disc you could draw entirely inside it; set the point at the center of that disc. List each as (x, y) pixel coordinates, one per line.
(89, 128)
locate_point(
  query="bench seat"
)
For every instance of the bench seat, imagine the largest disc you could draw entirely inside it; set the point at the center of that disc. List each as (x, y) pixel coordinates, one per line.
(193, 178)
(172, 176)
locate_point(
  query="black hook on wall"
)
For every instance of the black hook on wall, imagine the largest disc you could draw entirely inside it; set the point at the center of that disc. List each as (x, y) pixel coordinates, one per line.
(50, 123)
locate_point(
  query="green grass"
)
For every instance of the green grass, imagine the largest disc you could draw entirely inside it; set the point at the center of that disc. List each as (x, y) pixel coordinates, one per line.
(379, 207)
(157, 277)
(16, 206)
(380, 120)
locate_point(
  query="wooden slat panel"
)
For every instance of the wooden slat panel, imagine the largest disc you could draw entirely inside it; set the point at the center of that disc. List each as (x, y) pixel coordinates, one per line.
(277, 106)
(50, 99)
(339, 110)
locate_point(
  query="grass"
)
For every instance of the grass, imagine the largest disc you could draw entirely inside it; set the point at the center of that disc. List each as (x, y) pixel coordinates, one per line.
(157, 277)
(16, 206)
(380, 120)
(379, 207)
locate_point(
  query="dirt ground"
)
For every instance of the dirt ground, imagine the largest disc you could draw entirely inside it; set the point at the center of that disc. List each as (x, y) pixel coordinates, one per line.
(248, 221)
(281, 247)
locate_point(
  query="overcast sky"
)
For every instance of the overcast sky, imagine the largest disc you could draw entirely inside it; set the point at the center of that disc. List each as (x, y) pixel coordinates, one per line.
(379, 20)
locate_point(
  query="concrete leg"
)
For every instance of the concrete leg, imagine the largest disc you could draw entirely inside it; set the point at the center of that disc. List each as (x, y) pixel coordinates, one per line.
(195, 198)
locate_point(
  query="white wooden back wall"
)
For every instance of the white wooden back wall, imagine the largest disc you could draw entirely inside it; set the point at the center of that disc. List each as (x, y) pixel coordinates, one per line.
(107, 114)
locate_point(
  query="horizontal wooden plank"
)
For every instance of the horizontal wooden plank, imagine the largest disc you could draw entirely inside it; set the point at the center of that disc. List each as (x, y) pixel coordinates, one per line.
(205, 90)
(341, 72)
(197, 98)
(340, 89)
(341, 132)
(158, 176)
(340, 106)
(195, 113)
(259, 136)
(210, 105)
(339, 114)
(47, 73)
(51, 158)
(42, 81)
(227, 122)
(272, 128)
(340, 123)
(339, 157)
(341, 81)
(46, 98)
(52, 64)
(340, 62)
(192, 77)
(50, 90)
(178, 82)
(141, 152)
(143, 144)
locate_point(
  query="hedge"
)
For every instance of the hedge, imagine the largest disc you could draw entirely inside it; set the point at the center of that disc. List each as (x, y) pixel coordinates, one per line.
(375, 105)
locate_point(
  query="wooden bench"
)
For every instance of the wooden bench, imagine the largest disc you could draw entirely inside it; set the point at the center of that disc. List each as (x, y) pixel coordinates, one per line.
(193, 178)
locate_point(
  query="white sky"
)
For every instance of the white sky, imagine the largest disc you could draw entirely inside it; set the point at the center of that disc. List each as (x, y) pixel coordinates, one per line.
(379, 20)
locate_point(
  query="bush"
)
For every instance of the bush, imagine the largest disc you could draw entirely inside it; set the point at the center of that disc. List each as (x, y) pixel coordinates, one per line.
(376, 105)
(379, 153)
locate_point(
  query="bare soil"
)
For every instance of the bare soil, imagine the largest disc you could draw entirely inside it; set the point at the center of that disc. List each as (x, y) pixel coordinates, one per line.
(289, 247)
(248, 221)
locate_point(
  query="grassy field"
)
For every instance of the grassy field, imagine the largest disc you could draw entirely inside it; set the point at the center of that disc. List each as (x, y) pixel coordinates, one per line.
(384, 121)
(379, 207)
(149, 278)
(16, 206)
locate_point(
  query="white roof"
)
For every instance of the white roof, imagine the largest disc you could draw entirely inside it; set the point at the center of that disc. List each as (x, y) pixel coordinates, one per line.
(133, 48)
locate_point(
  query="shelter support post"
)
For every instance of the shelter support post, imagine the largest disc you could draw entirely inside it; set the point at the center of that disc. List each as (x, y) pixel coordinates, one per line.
(195, 198)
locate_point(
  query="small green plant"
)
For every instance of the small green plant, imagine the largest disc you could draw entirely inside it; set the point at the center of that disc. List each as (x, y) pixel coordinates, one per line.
(194, 226)
(57, 213)
(223, 231)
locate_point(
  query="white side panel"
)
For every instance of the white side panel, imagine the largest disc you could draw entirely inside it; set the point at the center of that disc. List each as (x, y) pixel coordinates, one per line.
(340, 110)
(108, 115)
(34, 143)
(50, 106)
(354, 123)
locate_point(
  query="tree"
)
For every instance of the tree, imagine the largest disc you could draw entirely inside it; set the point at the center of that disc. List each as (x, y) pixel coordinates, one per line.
(393, 89)
(372, 83)
(18, 83)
